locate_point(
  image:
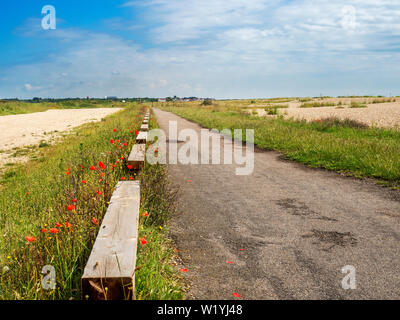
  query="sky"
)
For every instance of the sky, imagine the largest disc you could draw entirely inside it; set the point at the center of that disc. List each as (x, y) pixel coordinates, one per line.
(206, 48)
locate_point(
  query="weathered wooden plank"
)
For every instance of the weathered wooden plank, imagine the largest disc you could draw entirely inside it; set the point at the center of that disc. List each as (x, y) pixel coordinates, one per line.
(145, 121)
(141, 137)
(144, 127)
(137, 156)
(110, 271)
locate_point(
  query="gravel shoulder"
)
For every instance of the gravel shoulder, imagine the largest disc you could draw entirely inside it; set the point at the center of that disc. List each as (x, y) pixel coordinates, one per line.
(298, 227)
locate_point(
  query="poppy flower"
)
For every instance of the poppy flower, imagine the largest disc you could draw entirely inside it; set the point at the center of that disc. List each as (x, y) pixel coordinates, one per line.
(183, 270)
(145, 214)
(136, 132)
(68, 225)
(68, 173)
(82, 167)
(117, 141)
(71, 207)
(229, 262)
(44, 230)
(94, 220)
(84, 181)
(131, 178)
(122, 158)
(130, 167)
(115, 130)
(190, 180)
(58, 225)
(74, 200)
(54, 230)
(241, 249)
(123, 178)
(102, 174)
(112, 141)
(125, 144)
(143, 241)
(102, 165)
(30, 239)
(99, 193)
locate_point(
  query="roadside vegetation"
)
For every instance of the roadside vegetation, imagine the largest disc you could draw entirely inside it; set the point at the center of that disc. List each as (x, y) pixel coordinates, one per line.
(345, 146)
(50, 212)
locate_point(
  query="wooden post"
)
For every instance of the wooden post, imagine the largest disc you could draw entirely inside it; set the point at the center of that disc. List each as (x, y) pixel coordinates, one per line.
(137, 156)
(141, 137)
(110, 271)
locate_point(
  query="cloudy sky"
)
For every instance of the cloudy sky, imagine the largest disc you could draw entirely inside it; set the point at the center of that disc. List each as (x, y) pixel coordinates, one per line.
(209, 48)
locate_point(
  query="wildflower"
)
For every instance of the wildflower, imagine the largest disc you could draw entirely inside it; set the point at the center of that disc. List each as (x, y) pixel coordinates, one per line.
(102, 165)
(125, 144)
(84, 181)
(99, 193)
(58, 225)
(190, 180)
(143, 241)
(130, 167)
(68, 225)
(123, 178)
(6, 269)
(229, 262)
(102, 174)
(30, 239)
(82, 167)
(115, 130)
(131, 178)
(145, 214)
(68, 173)
(117, 141)
(237, 295)
(54, 230)
(122, 158)
(44, 230)
(161, 228)
(183, 270)
(94, 220)
(74, 200)
(112, 141)
(241, 249)
(136, 132)
(71, 207)
(92, 168)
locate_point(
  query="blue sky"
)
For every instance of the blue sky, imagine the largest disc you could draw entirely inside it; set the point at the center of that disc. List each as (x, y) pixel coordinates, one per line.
(209, 48)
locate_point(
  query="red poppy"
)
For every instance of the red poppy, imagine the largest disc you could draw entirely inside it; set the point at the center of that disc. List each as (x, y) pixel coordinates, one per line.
(123, 178)
(74, 200)
(241, 249)
(136, 132)
(54, 230)
(44, 230)
(125, 144)
(102, 165)
(92, 168)
(99, 193)
(68, 173)
(237, 295)
(30, 239)
(68, 225)
(122, 158)
(183, 270)
(112, 141)
(84, 181)
(117, 141)
(94, 220)
(190, 180)
(115, 130)
(229, 262)
(130, 167)
(102, 174)
(71, 207)
(58, 225)
(143, 241)
(131, 178)
(145, 214)
(82, 167)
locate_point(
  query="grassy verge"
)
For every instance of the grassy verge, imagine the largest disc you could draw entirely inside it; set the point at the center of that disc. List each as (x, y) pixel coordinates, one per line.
(23, 107)
(343, 146)
(51, 210)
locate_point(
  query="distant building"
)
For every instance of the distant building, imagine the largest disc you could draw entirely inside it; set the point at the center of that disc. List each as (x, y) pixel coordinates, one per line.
(162, 100)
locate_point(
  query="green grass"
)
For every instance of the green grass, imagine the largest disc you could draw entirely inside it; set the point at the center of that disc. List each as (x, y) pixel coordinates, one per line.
(334, 145)
(318, 104)
(23, 107)
(35, 196)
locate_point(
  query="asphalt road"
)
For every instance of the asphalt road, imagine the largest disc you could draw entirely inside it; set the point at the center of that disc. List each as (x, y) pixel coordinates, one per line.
(297, 228)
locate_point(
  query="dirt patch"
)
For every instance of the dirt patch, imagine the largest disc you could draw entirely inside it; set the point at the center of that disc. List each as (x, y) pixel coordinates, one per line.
(17, 132)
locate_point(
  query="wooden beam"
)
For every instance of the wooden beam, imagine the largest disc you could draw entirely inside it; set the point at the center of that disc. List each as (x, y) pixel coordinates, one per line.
(145, 121)
(137, 156)
(110, 271)
(144, 127)
(141, 137)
